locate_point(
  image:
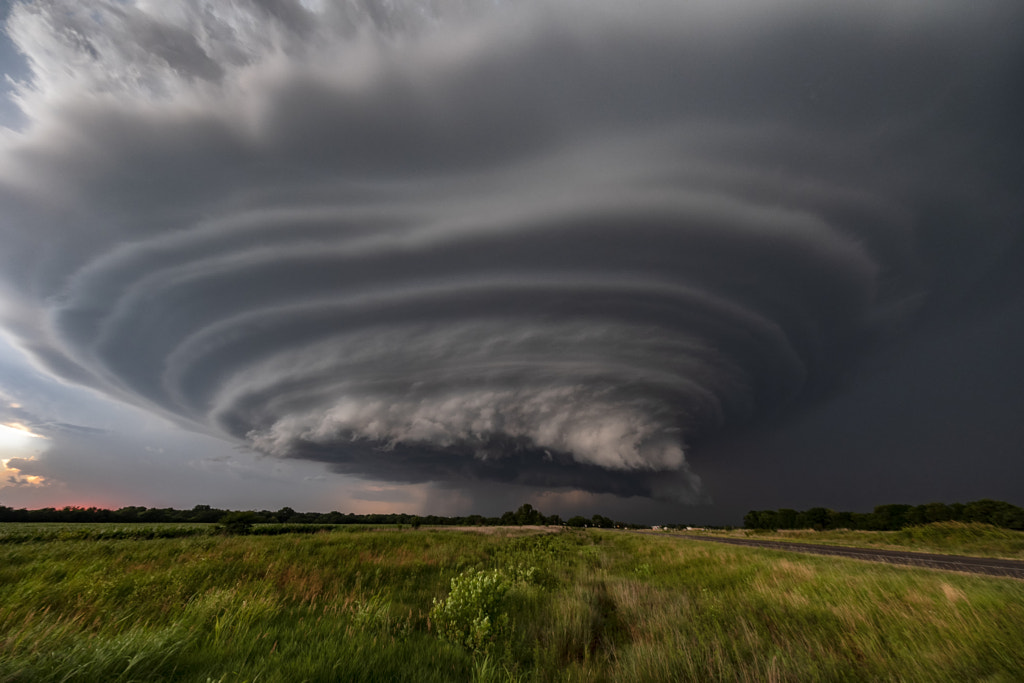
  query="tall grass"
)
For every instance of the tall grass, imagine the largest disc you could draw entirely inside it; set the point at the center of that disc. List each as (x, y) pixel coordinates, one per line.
(957, 538)
(59, 531)
(577, 606)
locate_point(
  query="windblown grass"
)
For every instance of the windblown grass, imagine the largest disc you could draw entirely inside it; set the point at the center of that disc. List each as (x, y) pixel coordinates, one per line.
(577, 606)
(954, 538)
(61, 531)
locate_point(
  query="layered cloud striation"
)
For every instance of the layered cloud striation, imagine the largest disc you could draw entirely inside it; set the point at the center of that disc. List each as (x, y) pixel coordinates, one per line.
(546, 243)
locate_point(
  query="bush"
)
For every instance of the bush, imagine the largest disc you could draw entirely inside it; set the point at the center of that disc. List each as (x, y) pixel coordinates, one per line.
(473, 614)
(238, 522)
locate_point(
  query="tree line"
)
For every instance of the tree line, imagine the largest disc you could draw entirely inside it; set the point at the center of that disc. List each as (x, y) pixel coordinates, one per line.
(889, 517)
(526, 514)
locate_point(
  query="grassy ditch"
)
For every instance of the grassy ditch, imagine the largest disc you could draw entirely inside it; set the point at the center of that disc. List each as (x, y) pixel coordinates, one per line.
(441, 605)
(950, 538)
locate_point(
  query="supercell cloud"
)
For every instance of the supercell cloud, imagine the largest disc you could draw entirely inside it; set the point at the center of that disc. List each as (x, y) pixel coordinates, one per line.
(548, 243)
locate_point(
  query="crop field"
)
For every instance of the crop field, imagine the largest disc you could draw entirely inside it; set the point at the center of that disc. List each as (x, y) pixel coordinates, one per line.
(385, 604)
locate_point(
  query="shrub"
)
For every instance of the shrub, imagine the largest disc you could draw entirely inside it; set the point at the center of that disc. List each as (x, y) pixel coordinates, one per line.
(473, 613)
(238, 522)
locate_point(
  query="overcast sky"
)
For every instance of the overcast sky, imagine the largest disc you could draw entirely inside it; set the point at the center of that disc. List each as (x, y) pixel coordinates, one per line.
(664, 261)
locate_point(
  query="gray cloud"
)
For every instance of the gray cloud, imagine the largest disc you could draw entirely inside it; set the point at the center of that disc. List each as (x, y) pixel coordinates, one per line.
(15, 413)
(545, 244)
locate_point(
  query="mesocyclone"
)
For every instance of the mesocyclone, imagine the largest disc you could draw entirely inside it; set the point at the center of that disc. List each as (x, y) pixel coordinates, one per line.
(548, 243)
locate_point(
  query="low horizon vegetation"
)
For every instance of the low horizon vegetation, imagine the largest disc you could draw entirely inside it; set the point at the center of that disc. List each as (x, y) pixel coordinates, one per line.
(359, 603)
(526, 514)
(891, 517)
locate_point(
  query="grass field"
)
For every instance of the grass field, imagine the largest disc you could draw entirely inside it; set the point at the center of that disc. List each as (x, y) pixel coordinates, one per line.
(422, 605)
(952, 538)
(61, 531)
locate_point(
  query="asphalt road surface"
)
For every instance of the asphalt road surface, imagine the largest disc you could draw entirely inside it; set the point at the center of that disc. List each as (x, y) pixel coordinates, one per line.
(975, 565)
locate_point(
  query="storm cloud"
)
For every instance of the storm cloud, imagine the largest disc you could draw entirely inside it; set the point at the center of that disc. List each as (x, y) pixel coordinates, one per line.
(552, 244)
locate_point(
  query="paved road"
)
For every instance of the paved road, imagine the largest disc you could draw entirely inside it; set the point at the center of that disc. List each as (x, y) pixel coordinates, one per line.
(959, 563)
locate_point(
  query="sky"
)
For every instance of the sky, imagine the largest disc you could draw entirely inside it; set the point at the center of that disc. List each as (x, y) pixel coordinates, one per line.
(661, 261)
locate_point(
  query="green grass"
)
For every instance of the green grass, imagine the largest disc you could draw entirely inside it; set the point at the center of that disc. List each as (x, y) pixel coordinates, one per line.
(954, 538)
(14, 532)
(381, 605)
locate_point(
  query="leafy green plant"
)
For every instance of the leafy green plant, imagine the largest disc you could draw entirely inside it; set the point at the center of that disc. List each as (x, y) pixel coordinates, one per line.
(473, 614)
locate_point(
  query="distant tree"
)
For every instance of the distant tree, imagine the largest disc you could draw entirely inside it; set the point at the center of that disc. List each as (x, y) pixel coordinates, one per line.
(840, 520)
(986, 511)
(957, 511)
(285, 514)
(815, 518)
(916, 516)
(1013, 518)
(785, 518)
(239, 522)
(578, 521)
(862, 520)
(526, 514)
(129, 514)
(937, 512)
(890, 517)
(760, 519)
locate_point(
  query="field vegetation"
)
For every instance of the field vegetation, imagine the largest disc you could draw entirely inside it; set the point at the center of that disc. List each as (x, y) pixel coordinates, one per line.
(952, 538)
(374, 604)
